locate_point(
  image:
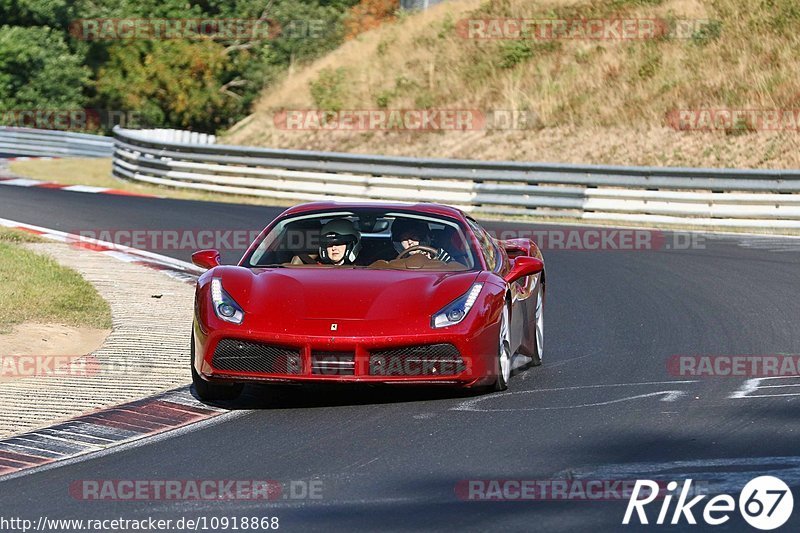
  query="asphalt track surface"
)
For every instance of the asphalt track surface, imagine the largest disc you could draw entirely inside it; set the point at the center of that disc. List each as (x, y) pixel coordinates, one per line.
(594, 410)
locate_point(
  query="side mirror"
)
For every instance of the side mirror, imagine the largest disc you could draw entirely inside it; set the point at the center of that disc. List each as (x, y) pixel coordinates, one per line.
(523, 266)
(207, 259)
(516, 247)
(514, 250)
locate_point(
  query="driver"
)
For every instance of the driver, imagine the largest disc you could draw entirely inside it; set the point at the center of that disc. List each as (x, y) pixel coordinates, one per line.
(340, 243)
(408, 232)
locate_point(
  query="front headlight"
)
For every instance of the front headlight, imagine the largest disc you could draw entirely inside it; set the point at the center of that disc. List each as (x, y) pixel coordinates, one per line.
(225, 307)
(455, 311)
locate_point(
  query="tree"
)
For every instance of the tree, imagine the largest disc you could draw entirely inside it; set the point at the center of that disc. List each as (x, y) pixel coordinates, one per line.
(172, 83)
(51, 13)
(39, 71)
(199, 83)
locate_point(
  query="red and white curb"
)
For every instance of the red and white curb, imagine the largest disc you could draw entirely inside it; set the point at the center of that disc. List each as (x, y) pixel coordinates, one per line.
(112, 427)
(99, 430)
(26, 182)
(30, 158)
(174, 268)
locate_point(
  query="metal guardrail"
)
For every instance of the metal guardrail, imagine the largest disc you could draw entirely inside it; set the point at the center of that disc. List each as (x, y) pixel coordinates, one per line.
(53, 143)
(418, 4)
(177, 136)
(697, 197)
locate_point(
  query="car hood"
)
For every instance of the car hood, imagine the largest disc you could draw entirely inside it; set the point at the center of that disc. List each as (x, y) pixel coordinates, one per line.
(290, 295)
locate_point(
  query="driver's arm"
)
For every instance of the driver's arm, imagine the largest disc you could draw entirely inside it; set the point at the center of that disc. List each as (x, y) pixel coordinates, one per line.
(304, 259)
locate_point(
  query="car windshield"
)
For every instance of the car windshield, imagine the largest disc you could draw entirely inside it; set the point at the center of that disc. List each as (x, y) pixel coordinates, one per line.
(373, 239)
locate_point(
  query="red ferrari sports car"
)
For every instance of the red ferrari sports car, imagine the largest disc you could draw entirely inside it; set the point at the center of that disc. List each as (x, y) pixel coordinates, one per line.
(369, 293)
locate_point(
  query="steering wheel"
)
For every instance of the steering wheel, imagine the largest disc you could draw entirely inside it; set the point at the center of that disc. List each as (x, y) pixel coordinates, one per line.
(432, 252)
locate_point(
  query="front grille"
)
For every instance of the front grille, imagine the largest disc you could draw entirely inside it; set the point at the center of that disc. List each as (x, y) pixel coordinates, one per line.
(426, 360)
(248, 356)
(333, 363)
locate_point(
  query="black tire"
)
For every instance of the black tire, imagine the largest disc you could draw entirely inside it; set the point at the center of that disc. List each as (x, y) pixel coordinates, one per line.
(539, 336)
(501, 382)
(213, 391)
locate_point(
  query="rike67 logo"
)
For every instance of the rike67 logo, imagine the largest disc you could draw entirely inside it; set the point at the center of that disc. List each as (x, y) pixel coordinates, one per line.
(766, 503)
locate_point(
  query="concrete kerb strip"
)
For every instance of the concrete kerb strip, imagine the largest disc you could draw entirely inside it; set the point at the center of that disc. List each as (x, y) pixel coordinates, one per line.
(146, 353)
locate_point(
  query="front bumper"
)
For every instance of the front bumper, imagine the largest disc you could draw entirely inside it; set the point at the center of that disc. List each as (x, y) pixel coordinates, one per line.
(368, 359)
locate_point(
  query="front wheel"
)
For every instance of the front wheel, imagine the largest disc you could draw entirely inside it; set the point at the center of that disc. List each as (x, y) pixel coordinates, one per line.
(537, 355)
(213, 391)
(503, 353)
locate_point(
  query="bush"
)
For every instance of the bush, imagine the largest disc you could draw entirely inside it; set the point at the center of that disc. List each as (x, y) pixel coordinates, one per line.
(514, 53)
(328, 91)
(369, 14)
(707, 32)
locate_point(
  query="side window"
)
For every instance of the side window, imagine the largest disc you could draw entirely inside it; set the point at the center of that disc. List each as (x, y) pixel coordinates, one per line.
(487, 246)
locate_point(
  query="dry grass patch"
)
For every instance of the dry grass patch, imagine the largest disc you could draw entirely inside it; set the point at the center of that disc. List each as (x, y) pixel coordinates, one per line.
(613, 96)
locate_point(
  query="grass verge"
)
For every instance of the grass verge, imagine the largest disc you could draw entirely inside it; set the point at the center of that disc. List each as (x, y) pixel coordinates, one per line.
(36, 288)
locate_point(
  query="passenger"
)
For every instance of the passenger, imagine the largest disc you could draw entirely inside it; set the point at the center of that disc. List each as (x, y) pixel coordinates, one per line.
(340, 243)
(409, 232)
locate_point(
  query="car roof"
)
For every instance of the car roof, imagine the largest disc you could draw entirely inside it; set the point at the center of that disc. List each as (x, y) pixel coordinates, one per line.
(426, 208)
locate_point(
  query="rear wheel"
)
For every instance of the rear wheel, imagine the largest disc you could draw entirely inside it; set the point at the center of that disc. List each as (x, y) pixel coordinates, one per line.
(213, 391)
(503, 353)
